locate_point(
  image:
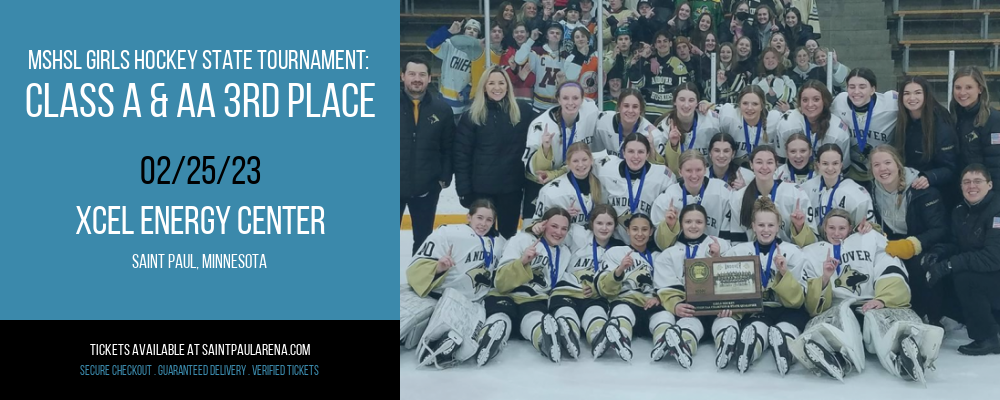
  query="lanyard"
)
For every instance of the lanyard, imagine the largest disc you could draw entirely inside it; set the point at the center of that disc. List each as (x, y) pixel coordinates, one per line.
(553, 268)
(829, 202)
(621, 129)
(774, 191)
(648, 256)
(694, 133)
(579, 196)
(697, 199)
(766, 275)
(836, 255)
(690, 253)
(809, 135)
(572, 135)
(596, 264)
(862, 136)
(488, 255)
(746, 134)
(633, 204)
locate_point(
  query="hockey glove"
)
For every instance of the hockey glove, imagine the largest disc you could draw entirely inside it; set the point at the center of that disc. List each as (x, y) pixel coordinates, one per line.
(937, 271)
(902, 248)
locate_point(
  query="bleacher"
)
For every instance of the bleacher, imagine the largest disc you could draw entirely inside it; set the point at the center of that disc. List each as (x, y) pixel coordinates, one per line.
(920, 35)
(924, 31)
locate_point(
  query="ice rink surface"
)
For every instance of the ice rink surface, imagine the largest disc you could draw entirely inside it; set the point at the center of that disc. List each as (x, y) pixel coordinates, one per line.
(520, 372)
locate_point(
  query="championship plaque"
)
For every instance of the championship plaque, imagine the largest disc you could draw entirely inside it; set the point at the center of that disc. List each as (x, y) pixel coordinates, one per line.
(723, 283)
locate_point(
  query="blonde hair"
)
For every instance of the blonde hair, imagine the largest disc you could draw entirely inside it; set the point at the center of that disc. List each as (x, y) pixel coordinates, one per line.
(984, 97)
(764, 204)
(892, 152)
(478, 111)
(691, 154)
(595, 185)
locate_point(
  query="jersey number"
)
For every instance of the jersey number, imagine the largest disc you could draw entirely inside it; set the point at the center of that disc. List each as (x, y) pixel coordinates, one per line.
(426, 250)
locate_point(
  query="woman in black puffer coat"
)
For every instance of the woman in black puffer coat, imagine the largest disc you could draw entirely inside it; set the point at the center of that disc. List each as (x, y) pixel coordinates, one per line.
(488, 149)
(977, 124)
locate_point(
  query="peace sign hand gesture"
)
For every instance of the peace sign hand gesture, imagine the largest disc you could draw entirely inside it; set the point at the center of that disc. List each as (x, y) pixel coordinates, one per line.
(530, 253)
(446, 262)
(547, 140)
(573, 209)
(798, 217)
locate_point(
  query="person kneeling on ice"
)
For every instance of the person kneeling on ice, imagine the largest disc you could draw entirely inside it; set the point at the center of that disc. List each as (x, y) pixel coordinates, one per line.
(973, 261)
(529, 269)
(861, 285)
(626, 281)
(782, 267)
(440, 305)
(679, 337)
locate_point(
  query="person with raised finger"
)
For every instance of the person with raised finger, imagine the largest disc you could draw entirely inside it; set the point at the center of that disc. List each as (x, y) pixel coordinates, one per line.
(530, 268)
(789, 199)
(694, 187)
(457, 258)
(676, 331)
(574, 301)
(631, 185)
(861, 288)
(684, 128)
(626, 280)
(784, 315)
(577, 192)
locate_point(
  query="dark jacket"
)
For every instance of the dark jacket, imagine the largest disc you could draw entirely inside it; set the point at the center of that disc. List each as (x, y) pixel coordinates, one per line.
(978, 145)
(926, 216)
(940, 169)
(488, 156)
(979, 247)
(425, 148)
(798, 39)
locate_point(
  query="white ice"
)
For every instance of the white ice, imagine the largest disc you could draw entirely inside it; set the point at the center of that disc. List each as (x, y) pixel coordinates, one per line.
(520, 372)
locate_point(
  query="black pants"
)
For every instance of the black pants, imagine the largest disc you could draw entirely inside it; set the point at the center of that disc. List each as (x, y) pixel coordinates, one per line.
(531, 190)
(923, 300)
(771, 316)
(508, 211)
(641, 325)
(514, 311)
(422, 211)
(980, 299)
(579, 305)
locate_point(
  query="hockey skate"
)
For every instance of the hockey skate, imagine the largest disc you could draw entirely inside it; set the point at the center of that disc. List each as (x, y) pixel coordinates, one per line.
(779, 347)
(824, 360)
(750, 341)
(659, 347)
(491, 342)
(678, 347)
(617, 340)
(726, 346)
(910, 362)
(549, 346)
(439, 352)
(569, 339)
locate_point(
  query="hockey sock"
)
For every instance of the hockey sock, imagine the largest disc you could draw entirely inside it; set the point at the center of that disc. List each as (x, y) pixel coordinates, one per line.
(594, 319)
(691, 331)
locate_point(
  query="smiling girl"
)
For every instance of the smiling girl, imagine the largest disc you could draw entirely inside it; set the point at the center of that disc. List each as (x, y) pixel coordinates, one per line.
(613, 126)
(694, 187)
(633, 183)
(870, 118)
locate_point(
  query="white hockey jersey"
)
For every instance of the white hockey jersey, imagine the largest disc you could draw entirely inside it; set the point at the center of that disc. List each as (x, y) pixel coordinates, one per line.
(783, 87)
(562, 192)
(583, 268)
(847, 195)
(784, 195)
(534, 281)
(475, 259)
(793, 121)
(637, 282)
(784, 174)
(545, 62)
(703, 128)
(863, 264)
(747, 137)
(562, 137)
(668, 266)
(629, 196)
(880, 121)
(609, 135)
(796, 263)
(713, 195)
(745, 173)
